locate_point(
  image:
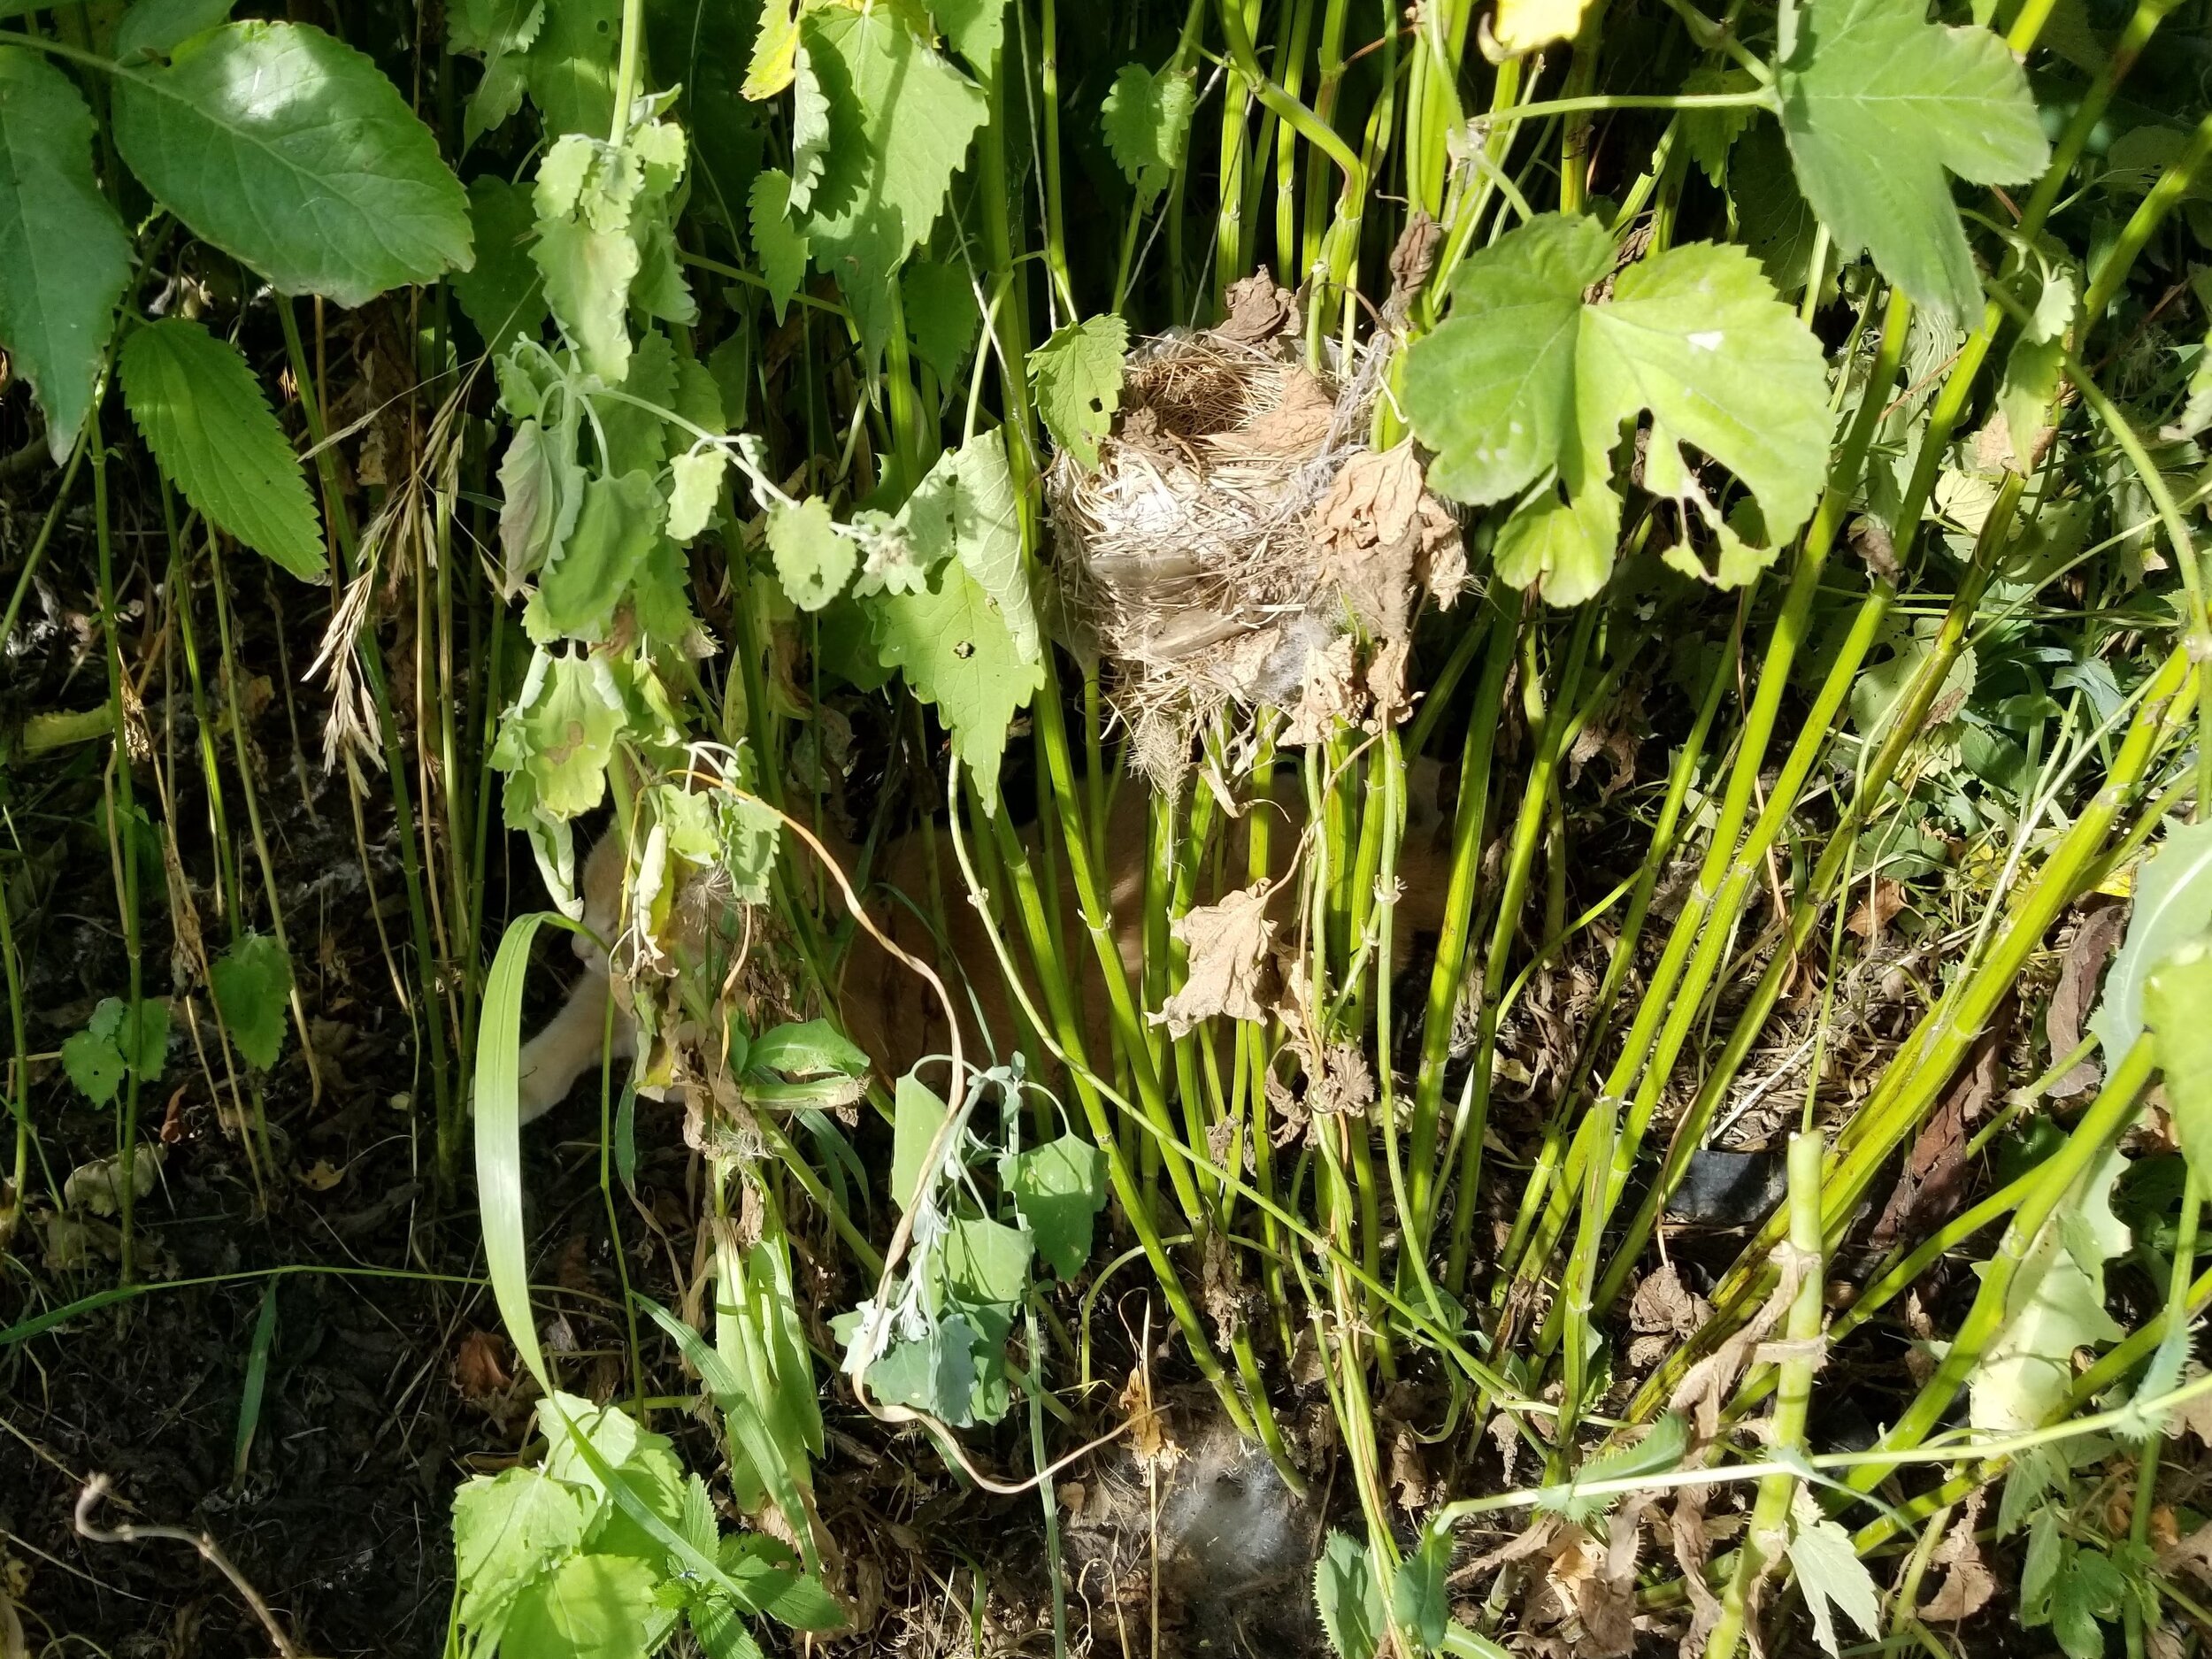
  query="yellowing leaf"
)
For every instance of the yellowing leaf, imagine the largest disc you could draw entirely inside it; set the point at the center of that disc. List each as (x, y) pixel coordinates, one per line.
(1522, 26)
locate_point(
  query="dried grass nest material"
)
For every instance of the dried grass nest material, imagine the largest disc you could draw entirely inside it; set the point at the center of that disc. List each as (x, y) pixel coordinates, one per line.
(1239, 543)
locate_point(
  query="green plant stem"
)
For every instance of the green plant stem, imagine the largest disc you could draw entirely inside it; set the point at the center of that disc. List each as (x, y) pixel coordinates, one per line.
(1765, 1538)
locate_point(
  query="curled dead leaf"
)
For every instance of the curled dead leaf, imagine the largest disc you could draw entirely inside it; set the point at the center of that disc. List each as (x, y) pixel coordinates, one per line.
(1967, 1583)
(479, 1367)
(1227, 942)
(1257, 309)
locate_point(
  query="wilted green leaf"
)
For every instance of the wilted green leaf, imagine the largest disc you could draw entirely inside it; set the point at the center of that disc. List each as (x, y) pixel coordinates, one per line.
(1147, 119)
(1527, 387)
(1078, 377)
(1059, 1189)
(587, 274)
(556, 740)
(64, 257)
(806, 1048)
(813, 562)
(203, 415)
(294, 152)
(1879, 104)
(252, 983)
(578, 591)
(543, 486)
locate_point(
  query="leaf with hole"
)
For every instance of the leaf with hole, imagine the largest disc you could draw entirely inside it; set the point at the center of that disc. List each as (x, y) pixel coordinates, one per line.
(1077, 376)
(203, 415)
(812, 561)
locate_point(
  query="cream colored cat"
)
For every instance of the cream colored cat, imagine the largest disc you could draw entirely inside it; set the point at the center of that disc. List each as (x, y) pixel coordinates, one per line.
(888, 1010)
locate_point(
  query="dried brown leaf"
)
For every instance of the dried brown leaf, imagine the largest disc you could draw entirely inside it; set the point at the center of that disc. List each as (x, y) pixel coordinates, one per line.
(2091, 948)
(1930, 1185)
(1295, 426)
(1330, 697)
(1877, 910)
(1258, 310)
(1228, 944)
(1967, 1583)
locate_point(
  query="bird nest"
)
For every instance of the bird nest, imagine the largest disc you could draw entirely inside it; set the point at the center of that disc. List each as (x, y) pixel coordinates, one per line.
(1238, 544)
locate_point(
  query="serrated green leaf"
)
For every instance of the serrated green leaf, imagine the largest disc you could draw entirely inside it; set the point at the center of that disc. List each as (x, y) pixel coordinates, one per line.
(779, 246)
(810, 133)
(252, 983)
(953, 645)
(812, 561)
(503, 293)
(1146, 121)
(1830, 1573)
(1773, 218)
(572, 63)
(589, 1607)
(901, 118)
(974, 28)
(1058, 1188)
(1710, 134)
(64, 256)
(2177, 1008)
(2173, 907)
(1420, 1599)
(153, 28)
(587, 274)
(965, 508)
(146, 1050)
(1526, 382)
(1078, 377)
(293, 152)
(508, 1530)
(616, 528)
(1879, 104)
(775, 51)
(636, 431)
(1660, 1449)
(2090, 1589)
(1348, 1599)
(202, 413)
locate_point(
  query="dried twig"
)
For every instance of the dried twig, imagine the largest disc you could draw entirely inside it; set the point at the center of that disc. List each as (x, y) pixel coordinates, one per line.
(211, 1552)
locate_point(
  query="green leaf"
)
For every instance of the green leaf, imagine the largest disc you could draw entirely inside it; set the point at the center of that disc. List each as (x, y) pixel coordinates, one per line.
(953, 645)
(984, 1261)
(901, 118)
(64, 256)
(1420, 1599)
(1058, 1188)
(616, 526)
(916, 1113)
(252, 983)
(153, 28)
(775, 51)
(810, 133)
(93, 1063)
(806, 1048)
(1147, 119)
(975, 29)
(2178, 1007)
(2091, 1588)
(965, 507)
(1660, 1450)
(1526, 383)
(591, 1607)
(779, 246)
(940, 315)
(2173, 906)
(543, 487)
(2054, 1306)
(147, 1050)
(935, 1373)
(1710, 134)
(1830, 1573)
(572, 66)
(812, 561)
(1078, 377)
(1772, 216)
(507, 1531)
(503, 293)
(292, 151)
(203, 415)
(587, 274)
(1349, 1600)
(1878, 104)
